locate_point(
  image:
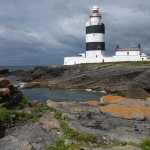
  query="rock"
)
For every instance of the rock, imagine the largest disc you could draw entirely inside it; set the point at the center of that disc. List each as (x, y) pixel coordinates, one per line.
(11, 143)
(13, 88)
(77, 110)
(123, 78)
(51, 103)
(4, 71)
(4, 82)
(69, 142)
(128, 147)
(50, 125)
(4, 92)
(66, 116)
(129, 112)
(112, 99)
(68, 103)
(148, 101)
(92, 103)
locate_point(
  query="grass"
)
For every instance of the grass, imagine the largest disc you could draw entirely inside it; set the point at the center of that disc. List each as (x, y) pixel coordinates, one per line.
(145, 144)
(58, 115)
(23, 103)
(5, 116)
(132, 63)
(71, 134)
(83, 138)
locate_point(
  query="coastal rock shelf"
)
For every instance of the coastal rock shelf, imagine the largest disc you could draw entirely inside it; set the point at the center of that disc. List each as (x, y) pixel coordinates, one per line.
(130, 79)
(114, 116)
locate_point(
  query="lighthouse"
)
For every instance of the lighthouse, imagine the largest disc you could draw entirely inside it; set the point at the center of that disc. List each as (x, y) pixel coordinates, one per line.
(95, 45)
(95, 34)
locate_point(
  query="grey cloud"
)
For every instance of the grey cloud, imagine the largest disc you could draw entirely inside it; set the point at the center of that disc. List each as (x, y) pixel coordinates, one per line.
(35, 32)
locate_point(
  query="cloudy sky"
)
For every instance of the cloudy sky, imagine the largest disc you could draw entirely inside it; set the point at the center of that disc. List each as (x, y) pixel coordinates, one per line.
(43, 32)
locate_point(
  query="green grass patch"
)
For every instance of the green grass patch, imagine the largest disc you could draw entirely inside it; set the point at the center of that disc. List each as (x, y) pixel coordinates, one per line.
(132, 63)
(23, 103)
(145, 144)
(46, 107)
(5, 116)
(74, 135)
(58, 115)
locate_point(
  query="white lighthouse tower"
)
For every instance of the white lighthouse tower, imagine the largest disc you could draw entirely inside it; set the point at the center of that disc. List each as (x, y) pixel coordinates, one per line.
(95, 33)
(95, 45)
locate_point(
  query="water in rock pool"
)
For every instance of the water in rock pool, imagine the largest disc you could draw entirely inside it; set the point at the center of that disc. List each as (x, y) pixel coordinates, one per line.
(43, 94)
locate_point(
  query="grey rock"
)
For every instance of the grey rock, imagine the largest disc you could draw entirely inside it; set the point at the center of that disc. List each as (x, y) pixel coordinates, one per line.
(69, 142)
(11, 143)
(124, 78)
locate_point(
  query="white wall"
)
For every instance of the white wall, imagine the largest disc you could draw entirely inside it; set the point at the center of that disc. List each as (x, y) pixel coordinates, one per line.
(80, 60)
(126, 58)
(108, 59)
(144, 58)
(95, 54)
(124, 53)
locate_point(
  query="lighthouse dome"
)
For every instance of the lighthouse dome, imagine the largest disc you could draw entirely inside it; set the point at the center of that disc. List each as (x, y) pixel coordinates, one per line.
(95, 8)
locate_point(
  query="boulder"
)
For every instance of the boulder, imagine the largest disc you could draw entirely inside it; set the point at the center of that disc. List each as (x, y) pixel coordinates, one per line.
(112, 99)
(4, 71)
(128, 112)
(4, 92)
(50, 125)
(13, 88)
(4, 82)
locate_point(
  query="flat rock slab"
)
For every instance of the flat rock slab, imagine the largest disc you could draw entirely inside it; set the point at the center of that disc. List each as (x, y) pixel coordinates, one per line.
(12, 143)
(115, 148)
(33, 134)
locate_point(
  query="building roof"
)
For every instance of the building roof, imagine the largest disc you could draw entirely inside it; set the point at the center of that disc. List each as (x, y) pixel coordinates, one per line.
(143, 55)
(128, 49)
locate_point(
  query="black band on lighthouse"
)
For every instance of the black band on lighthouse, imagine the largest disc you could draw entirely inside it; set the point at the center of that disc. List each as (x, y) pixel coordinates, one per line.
(95, 46)
(95, 29)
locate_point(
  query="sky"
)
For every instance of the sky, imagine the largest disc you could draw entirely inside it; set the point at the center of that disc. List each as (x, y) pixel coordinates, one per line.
(43, 32)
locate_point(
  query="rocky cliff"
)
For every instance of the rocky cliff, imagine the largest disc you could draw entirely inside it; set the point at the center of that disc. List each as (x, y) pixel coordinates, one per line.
(131, 79)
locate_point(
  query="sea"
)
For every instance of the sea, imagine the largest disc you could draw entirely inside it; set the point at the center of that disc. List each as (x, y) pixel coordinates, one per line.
(44, 94)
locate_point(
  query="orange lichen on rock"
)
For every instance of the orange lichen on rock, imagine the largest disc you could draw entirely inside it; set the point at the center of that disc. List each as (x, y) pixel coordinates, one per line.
(4, 92)
(51, 103)
(129, 112)
(93, 103)
(112, 98)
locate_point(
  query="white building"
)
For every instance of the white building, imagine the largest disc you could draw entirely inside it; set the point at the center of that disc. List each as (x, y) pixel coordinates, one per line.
(95, 45)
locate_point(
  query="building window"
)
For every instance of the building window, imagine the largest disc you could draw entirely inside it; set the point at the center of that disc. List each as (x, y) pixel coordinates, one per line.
(128, 53)
(142, 58)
